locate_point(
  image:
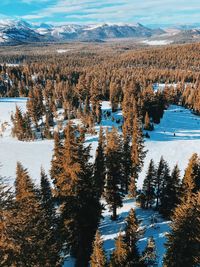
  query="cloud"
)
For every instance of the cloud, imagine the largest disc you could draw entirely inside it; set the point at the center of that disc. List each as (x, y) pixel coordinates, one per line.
(129, 11)
(33, 1)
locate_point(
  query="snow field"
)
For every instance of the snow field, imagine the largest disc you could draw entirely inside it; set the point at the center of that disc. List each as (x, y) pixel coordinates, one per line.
(177, 137)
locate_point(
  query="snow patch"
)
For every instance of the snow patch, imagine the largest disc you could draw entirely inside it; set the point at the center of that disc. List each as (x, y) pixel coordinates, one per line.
(157, 42)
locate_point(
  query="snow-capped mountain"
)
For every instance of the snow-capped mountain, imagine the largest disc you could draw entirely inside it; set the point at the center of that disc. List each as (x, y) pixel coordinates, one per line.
(15, 32)
(99, 32)
(19, 31)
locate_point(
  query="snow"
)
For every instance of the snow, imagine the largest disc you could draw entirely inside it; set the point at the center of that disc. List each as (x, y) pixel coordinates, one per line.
(32, 155)
(175, 149)
(162, 86)
(157, 42)
(61, 51)
(158, 230)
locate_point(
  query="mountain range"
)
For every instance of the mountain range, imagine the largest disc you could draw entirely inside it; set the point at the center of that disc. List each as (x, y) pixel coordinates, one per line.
(20, 31)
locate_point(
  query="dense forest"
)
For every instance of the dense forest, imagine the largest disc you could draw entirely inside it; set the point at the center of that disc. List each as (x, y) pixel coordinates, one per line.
(40, 226)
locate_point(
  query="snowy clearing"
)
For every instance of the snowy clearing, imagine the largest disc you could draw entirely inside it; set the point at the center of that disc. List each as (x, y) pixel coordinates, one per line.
(33, 155)
(61, 51)
(157, 42)
(176, 148)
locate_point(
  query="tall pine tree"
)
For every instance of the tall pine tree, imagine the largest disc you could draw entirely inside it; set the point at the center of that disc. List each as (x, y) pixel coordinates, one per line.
(99, 165)
(130, 239)
(149, 186)
(113, 192)
(183, 244)
(138, 152)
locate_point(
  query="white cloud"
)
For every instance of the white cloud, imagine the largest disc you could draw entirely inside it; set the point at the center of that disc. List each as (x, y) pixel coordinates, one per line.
(146, 11)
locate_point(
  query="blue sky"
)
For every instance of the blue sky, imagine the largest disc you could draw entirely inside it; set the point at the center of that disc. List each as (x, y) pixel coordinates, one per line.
(148, 12)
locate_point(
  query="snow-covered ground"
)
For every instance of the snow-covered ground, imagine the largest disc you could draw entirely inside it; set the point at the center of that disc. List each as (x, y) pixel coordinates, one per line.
(33, 155)
(158, 229)
(176, 148)
(61, 51)
(156, 42)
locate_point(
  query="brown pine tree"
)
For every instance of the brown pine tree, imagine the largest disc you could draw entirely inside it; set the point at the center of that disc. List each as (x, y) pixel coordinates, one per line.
(138, 152)
(113, 191)
(191, 179)
(183, 244)
(98, 257)
(119, 255)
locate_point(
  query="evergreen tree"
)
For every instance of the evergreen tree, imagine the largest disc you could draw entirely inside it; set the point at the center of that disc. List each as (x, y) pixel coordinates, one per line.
(130, 239)
(126, 161)
(99, 165)
(98, 257)
(21, 126)
(165, 188)
(56, 165)
(159, 180)
(6, 207)
(147, 123)
(28, 227)
(149, 257)
(191, 179)
(113, 192)
(137, 150)
(35, 105)
(183, 245)
(46, 197)
(98, 112)
(80, 206)
(170, 193)
(119, 255)
(149, 186)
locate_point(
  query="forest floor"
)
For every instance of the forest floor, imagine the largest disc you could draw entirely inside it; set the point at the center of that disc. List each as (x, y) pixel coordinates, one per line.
(176, 138)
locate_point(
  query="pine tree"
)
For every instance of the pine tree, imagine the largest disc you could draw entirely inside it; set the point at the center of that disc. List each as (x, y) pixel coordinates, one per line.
(21, 126)
(126, 161)
(28, 227)
(137, 150)
(6, 208)
(119, 255)
(49, 213)
(159, 180)
(191, 179)
(35, 107)
(56, 165)
(147, 123)
(66, 171)
(88, 210)
(98, 257)
(46, 197)
(80, 206)
(183, 244)
(98, 112)
(149, 257)
(165, 186)
(113, 192)
(130, 239)
(99, 165)
(149, 185)
(170, 193)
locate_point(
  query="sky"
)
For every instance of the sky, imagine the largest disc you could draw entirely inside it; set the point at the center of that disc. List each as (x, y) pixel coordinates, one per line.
(147, 12)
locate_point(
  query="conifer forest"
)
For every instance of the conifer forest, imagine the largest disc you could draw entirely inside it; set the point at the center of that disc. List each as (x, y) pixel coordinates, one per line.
(100, 155)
